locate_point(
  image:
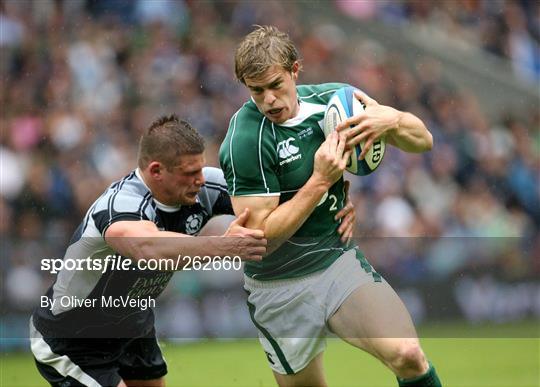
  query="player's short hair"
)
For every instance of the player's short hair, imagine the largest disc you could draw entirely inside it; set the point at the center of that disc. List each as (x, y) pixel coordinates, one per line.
(166, 140)
(262, 48)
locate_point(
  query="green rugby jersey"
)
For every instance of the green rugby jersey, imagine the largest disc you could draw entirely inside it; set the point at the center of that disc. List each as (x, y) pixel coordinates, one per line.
(261, 158)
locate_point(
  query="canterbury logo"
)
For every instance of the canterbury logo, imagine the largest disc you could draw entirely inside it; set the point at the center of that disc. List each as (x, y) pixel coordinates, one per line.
(286, 149)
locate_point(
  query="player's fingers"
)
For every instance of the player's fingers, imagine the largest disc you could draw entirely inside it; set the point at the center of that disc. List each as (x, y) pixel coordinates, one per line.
(345, 223)
(346, 231)
(366, 147)
(242, 218)
(261, 243)
(326, 143)
(359, 134)
(333, 143)
(350, 217)
(353, 130)
(364, 98)
(259, 251)
(347, 234)
(256, 244)
(344, 211)
(255, 253)
(351, 122)
(342, 125)
(341, 214)
(341, 145)
(259, 234)
(355, 141)
(254, 233)
(345, 159)
(346, 220)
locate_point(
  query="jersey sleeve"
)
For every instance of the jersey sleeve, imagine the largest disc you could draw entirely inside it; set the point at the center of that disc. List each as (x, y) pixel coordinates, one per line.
(320, 93)
(119, 206)
(248, 155)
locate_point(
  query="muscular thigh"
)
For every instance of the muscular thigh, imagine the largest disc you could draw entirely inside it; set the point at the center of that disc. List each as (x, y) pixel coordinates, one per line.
(373, 318)
(311, 375)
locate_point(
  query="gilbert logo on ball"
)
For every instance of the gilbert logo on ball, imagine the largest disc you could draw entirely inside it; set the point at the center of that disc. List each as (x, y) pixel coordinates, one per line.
(342, 105)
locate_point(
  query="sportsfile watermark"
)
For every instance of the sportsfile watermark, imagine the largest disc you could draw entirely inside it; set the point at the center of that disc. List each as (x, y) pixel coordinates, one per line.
(118, 262)
(452, 288)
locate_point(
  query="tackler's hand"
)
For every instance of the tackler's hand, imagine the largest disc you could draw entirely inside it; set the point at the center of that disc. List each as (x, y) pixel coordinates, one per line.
(348, 217)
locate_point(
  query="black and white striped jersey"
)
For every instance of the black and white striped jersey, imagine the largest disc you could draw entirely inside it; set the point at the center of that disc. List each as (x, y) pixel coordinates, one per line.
(126, 199)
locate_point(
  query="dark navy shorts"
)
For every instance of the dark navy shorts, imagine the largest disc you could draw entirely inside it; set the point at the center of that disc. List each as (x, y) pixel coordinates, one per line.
(97, 362)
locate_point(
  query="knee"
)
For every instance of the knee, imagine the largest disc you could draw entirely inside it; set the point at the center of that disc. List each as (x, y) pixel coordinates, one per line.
(408, 360)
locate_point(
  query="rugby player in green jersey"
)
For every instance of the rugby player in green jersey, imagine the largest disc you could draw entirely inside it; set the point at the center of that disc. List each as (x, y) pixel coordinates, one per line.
(278, 164)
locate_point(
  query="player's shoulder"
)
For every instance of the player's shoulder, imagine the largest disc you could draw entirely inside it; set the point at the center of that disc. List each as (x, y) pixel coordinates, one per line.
(248, 129)
(245, 119)
(125, 195)
(214, 176)
(319, 93)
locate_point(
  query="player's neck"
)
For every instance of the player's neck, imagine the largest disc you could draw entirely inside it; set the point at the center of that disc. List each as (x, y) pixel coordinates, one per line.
(147, 181)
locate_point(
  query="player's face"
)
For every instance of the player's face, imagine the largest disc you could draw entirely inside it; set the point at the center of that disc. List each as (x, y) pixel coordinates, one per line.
(274, 93)
(182, 183)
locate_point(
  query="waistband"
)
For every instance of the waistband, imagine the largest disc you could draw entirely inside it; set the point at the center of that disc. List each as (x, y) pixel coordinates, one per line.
(273, 284)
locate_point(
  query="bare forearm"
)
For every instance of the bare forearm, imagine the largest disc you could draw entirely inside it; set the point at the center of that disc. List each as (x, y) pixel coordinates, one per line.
(410, 134)
(142, 240)
(184, 251)
(168, 245)
(288, 217)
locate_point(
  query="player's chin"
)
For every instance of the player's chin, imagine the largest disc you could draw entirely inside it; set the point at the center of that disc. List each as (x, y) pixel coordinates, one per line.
(278, 118)
(189, 199)
(277, 121)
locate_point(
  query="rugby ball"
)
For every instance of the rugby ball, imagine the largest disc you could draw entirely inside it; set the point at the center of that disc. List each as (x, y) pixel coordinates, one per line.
(342, 105)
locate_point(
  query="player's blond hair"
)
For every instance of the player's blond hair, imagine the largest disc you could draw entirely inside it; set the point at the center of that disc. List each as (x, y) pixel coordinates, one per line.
(261, 49)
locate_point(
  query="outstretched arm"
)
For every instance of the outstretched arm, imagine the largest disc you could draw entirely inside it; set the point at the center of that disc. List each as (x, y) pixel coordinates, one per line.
(142, 240)
(401, 129)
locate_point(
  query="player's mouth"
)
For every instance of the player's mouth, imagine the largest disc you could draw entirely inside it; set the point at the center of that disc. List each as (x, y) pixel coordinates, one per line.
(274, 113)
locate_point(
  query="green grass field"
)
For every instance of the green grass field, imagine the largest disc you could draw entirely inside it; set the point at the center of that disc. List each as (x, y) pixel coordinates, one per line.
(471, 361)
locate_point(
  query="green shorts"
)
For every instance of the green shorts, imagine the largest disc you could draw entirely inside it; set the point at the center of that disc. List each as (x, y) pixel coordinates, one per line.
(292, 314)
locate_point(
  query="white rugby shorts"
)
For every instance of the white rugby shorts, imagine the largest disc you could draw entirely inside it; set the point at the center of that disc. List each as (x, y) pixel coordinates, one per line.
(292, 314)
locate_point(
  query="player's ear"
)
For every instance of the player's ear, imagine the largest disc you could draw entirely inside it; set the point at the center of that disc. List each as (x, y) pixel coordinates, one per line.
(295, 70)
(155, 169)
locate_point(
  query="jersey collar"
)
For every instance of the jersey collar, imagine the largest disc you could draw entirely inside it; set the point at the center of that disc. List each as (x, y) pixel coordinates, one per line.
(305, 111)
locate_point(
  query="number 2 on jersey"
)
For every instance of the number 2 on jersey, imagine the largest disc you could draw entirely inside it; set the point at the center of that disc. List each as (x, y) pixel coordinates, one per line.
(334, 199)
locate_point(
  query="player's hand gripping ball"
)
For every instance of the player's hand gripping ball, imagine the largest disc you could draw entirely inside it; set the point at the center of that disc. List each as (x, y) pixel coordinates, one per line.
(342, 105)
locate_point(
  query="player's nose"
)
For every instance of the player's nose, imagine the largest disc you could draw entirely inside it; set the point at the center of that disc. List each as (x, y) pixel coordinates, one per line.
(269, 97)
(199, 180)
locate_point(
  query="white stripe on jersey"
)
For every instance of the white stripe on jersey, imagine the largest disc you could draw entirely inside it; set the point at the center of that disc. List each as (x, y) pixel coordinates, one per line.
(274, 131)
(62, 364)
(318, 95)
(302, 244)
(260, 155)
(262, 194)
(231, 152)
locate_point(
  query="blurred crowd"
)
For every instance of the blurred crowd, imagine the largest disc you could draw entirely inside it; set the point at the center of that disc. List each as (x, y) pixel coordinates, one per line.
(82, 79)
(508, 29)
